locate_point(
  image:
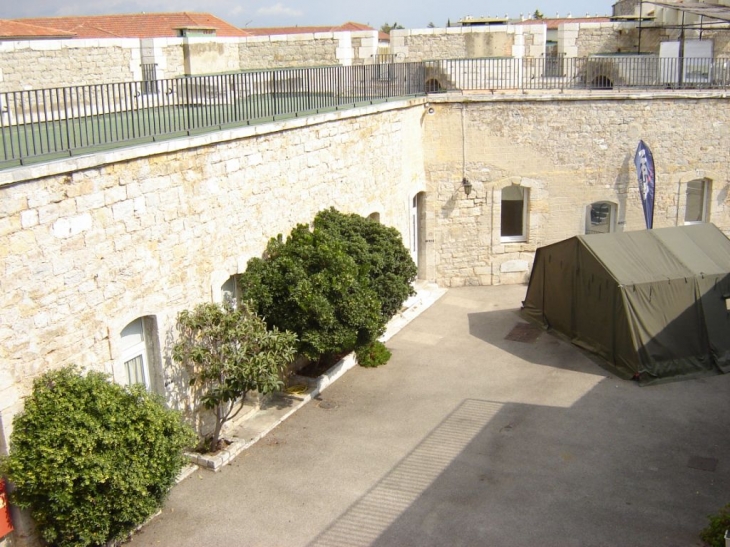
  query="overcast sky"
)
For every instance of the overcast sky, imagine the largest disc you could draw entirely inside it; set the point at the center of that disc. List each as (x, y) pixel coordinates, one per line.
(267, 13)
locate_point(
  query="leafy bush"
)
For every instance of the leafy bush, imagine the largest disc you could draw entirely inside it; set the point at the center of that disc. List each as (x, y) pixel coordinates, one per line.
(714, 534)
(380, 249)
(311, 286)
(373, 355)
(336, 286)
(92, 460)
(229, 352)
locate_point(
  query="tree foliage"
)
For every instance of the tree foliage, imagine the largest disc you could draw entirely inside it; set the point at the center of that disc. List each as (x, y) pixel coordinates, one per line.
(335, 285)
(380, 250)
(92, 460)
(228, 352)
(311, 286)
(714, 534)
(538, 14)
(387, 27)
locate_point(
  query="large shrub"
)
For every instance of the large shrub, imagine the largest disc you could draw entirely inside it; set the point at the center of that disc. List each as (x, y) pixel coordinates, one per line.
(312, 286)
(228, 352)
(378, 248)
(91, 459)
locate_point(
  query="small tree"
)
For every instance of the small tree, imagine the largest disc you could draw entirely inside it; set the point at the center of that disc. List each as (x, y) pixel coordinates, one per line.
(538, 14)
(310, 285)
(92, 460)
(228, 352)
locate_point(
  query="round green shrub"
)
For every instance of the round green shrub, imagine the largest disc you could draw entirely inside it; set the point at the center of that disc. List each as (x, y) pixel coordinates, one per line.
(714, 534)
(377, 248)
(373, 355)
(311, 286)
(93, 460)
(336, 285)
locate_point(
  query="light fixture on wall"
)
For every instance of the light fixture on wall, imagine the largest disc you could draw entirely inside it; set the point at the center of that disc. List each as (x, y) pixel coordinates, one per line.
(467, 186)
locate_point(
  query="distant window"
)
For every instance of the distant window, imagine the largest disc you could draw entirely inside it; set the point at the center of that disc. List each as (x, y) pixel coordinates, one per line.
(601, 217)
(696, 208)
(136, 344)
(514, 213)
(374, 216)
(229, 290)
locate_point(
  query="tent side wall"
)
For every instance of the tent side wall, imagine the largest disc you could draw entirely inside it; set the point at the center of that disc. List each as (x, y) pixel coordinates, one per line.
(669, 327)
(549, 299)
(715, 300)
(601, 322)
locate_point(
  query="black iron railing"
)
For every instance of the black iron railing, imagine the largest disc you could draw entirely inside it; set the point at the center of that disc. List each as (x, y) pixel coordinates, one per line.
(49, 123)
(595, 72)
(42, 124)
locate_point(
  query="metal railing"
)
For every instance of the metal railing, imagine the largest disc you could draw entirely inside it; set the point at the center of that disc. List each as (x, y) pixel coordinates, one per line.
(595, 72)
(44, 124)
(51, 123)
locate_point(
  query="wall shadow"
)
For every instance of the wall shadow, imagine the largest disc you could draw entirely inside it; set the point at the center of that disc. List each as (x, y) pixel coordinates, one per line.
(612, 469)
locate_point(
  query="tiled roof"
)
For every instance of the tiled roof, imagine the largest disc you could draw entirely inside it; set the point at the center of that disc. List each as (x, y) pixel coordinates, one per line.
(135, 25)
(15, 30)
(272, 31)
(554, 23)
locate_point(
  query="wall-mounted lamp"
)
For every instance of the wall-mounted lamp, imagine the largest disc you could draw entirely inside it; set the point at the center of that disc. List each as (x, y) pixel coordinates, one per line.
(467, 186)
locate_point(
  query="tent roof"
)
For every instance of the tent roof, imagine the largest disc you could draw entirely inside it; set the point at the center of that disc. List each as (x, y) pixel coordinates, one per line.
(665, 253)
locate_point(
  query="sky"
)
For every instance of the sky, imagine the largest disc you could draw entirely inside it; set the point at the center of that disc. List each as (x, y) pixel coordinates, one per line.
(267, 13)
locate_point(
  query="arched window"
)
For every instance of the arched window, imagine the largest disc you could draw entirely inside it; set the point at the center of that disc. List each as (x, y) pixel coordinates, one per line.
(601, 217)
(138, 350)
(230, 291)
(514, 213)
(696, 208)
(375, 216)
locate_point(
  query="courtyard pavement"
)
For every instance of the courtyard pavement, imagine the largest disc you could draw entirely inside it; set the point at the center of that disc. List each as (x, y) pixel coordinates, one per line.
(466, 438)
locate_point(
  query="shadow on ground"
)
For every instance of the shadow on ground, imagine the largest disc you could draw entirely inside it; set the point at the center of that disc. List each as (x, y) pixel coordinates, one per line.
(602, 472)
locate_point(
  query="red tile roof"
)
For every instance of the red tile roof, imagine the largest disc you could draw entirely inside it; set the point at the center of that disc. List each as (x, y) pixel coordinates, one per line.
(273, 31)
(554, 23)
(135, 25)
(15, 30)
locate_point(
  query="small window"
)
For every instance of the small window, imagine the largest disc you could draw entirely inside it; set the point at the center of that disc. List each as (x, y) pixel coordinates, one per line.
(374, 216)
(229, 290)
(696, 208)
(135, 355)
(601, 217)
(514, 213)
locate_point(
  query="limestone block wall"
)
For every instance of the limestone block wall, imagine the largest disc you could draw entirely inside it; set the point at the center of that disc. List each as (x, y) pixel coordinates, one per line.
(567, 154)
(39, 64)
(89, 244)
(584, 39)
(469, 42)
(296, 50)
(206, 56)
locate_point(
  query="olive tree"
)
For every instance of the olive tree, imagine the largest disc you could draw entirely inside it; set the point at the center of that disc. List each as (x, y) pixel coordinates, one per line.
(228, 351)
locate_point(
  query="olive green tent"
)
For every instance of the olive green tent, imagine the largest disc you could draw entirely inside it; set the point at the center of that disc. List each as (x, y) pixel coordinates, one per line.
(652, 304)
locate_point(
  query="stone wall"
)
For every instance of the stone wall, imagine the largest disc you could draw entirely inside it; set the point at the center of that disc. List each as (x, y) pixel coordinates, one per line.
(469, 42)
(296, 50)
(568, 153)
(57, 63)
(88, 245)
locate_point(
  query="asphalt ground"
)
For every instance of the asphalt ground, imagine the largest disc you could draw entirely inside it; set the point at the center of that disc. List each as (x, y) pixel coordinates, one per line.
(467, 438)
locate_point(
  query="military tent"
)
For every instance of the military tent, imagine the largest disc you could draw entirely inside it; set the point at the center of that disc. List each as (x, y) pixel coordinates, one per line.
(652, 304)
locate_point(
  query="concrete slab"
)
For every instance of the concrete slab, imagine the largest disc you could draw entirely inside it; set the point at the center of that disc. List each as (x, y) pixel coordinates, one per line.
(472, 440)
